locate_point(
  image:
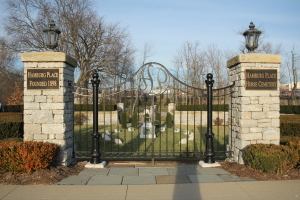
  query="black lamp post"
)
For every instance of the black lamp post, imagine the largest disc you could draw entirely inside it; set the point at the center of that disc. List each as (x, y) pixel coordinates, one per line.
(209, 146)
(51, 35)
(95, 158)
(251, 36)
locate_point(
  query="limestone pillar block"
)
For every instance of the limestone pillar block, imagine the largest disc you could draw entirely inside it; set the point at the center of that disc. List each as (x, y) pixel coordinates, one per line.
(255, 103)
(48, 102)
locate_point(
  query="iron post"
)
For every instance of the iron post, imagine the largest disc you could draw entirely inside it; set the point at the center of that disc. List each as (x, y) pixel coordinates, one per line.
(95, 158)
(209, 146)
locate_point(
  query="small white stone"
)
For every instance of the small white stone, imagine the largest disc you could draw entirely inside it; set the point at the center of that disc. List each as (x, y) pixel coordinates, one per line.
(118, 141)
(207, 165)
(106, 137)
(95, 166)
(191, 136)
(183, 141)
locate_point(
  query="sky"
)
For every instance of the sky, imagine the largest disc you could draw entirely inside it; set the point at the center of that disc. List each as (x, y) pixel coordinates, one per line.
(166, 24)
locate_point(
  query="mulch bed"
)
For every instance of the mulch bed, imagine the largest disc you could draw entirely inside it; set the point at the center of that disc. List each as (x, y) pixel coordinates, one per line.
(244, 171)
(44, 176)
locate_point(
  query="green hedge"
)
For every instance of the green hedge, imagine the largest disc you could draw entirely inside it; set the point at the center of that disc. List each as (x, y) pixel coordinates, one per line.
(290, 109)
(89, 107)
(11, 130)
(270, 158)
(290, 129)
(221, 107)
(169, 120)
(11, 108)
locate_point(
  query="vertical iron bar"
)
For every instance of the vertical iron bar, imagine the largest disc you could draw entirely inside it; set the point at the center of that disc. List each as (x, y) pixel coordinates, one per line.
(73, 136)
(160, 105)
(187, 122)
(138, 111)
(145, 129)
(132, 115)
(224, 117)
(104, 111)
(118, 134)
(194, 96)
(103, 105)
(80, 125)
(231, 93)
(86, 114)
(180, 122)
(209, 146)
(153, 113)
(218, 122)
(95, 136)
(173, 117)
(201, 128)
(166, 127)
(128, 112)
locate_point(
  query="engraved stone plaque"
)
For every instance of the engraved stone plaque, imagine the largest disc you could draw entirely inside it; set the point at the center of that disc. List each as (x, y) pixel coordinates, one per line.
(42, 78)
(261, 79)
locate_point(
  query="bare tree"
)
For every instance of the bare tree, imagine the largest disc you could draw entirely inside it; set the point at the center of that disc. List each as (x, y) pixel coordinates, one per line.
(294, 74)
(193, 63)
(85, 36)
(7, 56)
(216, 62)
(147, 52)
(9, 75)
(268, 47)
(190, 64)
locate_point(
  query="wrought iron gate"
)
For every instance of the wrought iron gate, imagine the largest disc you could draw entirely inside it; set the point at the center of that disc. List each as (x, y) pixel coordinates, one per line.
(152, 115)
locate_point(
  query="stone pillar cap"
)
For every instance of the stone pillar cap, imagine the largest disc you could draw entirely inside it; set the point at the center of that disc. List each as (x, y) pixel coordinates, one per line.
(254, 58)
(48, 56)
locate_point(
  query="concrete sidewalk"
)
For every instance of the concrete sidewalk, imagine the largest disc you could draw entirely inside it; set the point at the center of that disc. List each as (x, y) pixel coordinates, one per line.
(151, 175)
(264, 190)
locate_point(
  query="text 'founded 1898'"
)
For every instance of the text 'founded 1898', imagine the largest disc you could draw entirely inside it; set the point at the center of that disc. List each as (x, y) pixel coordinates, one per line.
(42, 78)
(263, 79)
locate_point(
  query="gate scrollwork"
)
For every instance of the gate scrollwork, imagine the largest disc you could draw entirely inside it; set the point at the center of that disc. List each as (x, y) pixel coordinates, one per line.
(152, 78)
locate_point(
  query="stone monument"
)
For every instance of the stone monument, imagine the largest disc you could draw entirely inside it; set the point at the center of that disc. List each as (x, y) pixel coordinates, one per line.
(147, 130)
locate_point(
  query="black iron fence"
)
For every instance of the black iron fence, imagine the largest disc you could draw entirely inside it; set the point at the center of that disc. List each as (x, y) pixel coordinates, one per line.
(153, 115)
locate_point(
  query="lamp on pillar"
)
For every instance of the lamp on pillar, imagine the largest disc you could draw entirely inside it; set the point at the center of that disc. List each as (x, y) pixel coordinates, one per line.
(251, 36)
(51, 35)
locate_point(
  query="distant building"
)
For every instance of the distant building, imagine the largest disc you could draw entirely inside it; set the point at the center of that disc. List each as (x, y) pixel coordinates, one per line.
(286, 89)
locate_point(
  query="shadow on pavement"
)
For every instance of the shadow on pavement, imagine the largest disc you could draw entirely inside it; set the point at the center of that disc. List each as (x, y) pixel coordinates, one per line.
(186, 191)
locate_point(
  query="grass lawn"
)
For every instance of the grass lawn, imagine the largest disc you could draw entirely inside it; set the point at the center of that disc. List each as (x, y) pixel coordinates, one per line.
(290, 119)
(165, 143)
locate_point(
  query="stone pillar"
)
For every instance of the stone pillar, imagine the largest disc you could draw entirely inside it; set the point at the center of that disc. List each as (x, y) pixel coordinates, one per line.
(255, 102)
(171, 107)
(48, 100)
